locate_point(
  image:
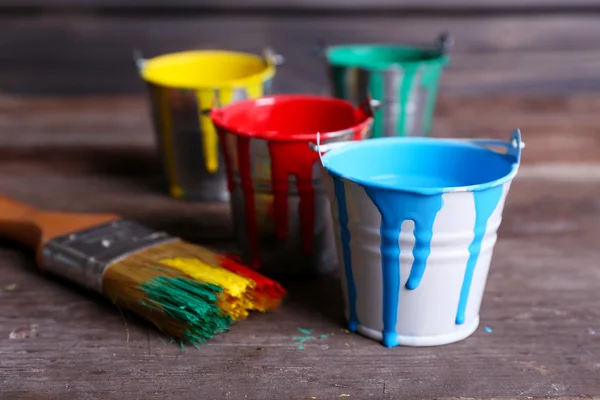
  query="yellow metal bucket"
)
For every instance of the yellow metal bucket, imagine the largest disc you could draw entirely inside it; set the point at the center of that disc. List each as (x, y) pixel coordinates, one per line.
(182, 87)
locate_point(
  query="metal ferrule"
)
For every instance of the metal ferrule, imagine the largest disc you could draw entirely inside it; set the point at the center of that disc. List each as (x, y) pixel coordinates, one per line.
(82, 257)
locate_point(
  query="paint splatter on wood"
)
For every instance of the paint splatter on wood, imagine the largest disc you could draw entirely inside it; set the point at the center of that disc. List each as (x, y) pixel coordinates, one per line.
(9, 288)
(24, 333)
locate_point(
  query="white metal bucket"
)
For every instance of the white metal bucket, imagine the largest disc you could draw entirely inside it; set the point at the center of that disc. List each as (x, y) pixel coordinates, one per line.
(416, 223)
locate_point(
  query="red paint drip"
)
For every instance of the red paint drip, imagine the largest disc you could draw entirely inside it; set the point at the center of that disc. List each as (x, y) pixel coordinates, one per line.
(271, 211)
(245, 170)
(288, 132)
(227, 159)
(293, 159)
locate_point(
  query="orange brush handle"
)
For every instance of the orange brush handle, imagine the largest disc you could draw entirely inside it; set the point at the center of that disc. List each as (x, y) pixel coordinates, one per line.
(34, 227)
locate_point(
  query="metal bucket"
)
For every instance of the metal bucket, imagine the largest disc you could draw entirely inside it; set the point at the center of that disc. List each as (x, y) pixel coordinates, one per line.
(417, 232)
(280, 209)
(182, 86)
(403, 79)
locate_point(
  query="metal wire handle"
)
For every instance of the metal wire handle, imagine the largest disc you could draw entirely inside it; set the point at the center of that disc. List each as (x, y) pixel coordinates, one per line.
(513, 146)
(271, 57)
(138, 59)
(444, 42)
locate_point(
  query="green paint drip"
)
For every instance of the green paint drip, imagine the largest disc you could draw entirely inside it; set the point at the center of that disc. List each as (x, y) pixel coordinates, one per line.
(339, 82)
(376, 90)
(377, 59)
(191, 303)
(406, 87)
(305, 331)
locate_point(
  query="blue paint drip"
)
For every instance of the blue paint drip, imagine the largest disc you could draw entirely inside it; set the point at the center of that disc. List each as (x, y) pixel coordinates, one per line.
(340, 195)
(486, 202)
(395, 208)
(423, 233)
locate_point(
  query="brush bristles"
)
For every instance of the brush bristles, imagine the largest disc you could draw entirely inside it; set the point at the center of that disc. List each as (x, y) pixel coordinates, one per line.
(187, 291)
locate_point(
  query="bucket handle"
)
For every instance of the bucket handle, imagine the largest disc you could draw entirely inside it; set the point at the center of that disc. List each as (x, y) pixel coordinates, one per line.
(139, 60)
(271, 57)
(321, 48)
(513, 146)
(370, 105)
(444, 43)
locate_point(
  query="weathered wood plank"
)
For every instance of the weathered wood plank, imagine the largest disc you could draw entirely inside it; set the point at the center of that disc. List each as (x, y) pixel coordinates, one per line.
(69, 132)
(87, 54)
(540, 5)
(543, 312)
(62, 148)
(96, 154)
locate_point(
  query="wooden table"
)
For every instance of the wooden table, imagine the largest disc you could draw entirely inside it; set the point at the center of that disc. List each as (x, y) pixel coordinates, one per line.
(95, 153)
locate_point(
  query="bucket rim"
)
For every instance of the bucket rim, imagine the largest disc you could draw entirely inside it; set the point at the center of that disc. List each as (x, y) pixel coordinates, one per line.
(438, 58)
(266, 73)
(427, 191)
(217, 117)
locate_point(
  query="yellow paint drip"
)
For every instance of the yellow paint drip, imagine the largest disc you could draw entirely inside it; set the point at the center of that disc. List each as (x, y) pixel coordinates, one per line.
(255, 91)
(204, 71)
(206, 100)
(236, 298)
(166, 131)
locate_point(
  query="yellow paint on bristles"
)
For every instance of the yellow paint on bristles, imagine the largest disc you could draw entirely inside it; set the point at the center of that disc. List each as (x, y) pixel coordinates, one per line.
(237, 296)
(124, 280)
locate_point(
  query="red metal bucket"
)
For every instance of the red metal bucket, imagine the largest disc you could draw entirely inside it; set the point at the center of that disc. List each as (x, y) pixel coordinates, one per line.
(280, 209)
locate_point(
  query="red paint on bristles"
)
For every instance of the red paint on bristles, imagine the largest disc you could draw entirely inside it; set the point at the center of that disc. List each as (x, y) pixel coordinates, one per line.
(271, 291)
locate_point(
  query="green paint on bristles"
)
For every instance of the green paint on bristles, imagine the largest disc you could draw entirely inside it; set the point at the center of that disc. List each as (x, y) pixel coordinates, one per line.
(190, 302)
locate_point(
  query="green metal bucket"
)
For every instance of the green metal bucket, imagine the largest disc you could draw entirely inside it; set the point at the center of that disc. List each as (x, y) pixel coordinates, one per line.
(402, 82)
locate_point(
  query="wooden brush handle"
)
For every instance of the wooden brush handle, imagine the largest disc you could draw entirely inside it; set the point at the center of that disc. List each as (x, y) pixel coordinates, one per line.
(34, 227)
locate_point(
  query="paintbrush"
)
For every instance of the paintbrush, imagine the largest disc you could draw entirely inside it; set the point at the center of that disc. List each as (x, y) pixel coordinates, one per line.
(189, 292)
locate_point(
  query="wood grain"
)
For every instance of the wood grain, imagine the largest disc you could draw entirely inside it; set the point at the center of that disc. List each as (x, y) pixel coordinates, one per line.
(95, 154)
(539, 5)
(89, 54)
